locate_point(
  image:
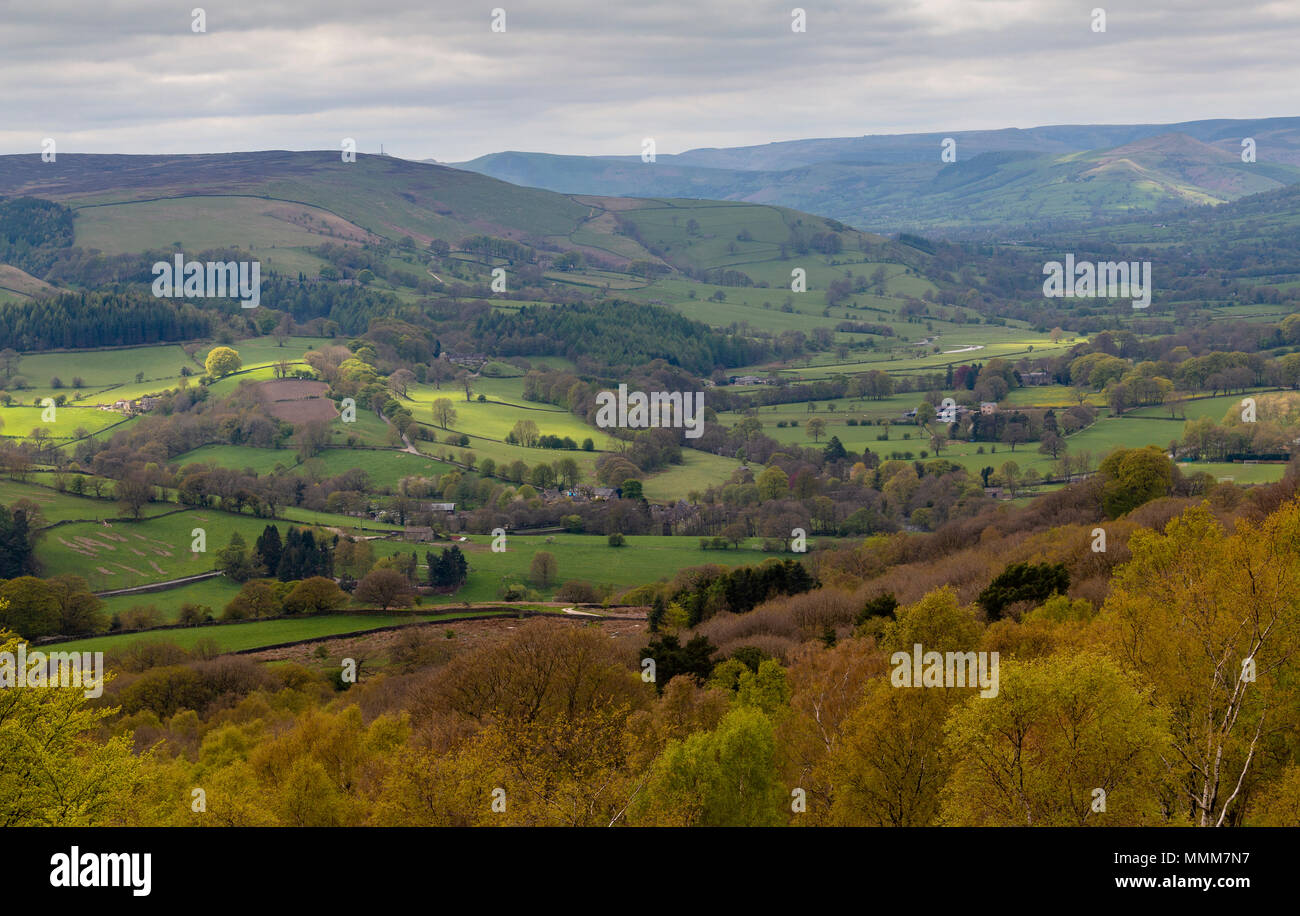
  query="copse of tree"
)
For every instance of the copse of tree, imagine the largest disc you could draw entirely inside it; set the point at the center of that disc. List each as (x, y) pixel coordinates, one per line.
(98, 319)
(304, 556)
(237, 562)
(739, 590)
(617, 334)
(449, 570)
(1023, 582)
(671, 658)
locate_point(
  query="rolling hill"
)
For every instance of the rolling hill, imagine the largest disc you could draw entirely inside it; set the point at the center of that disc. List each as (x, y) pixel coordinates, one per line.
(1003, 180)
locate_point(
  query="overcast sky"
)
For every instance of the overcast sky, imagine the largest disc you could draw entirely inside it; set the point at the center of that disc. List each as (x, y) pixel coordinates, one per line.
(431, 80)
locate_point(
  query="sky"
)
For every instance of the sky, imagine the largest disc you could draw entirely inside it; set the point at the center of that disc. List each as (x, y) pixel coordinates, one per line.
(432, 80)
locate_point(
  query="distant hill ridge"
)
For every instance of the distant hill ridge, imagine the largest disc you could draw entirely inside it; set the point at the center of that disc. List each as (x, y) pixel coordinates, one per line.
(1001, 179)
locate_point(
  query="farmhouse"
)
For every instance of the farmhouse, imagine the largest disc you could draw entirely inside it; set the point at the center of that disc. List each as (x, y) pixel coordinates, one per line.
(584, 493)
(140, 405)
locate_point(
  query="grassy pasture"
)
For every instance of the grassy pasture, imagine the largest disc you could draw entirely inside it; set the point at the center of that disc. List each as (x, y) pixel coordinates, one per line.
(236, 637)
(58, 507)
(215, 593)
(18, 422)
(102, 368)
(124, 553)
(588, 557)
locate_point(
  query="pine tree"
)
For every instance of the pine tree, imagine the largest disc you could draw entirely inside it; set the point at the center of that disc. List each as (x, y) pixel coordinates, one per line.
(269, 548)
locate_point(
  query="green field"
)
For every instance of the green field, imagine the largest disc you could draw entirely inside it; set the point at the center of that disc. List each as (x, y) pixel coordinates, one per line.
(386, 468)
(215, 593)
(58, 507)
(585, 557)
(237, 637)
(125, 553)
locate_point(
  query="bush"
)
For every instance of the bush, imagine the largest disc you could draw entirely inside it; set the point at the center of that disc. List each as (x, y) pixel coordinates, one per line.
(578, 591)
(617, 540)
(314, 595)
(194, 614)
(257, 598)
(140, 617)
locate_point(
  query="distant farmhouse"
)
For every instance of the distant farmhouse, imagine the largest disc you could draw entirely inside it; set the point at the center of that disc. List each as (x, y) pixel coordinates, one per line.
(584, 493)
(467, 360)
(130, 408)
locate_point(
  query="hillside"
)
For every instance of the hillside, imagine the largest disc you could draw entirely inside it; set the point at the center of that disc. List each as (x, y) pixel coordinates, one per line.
(1004, 180)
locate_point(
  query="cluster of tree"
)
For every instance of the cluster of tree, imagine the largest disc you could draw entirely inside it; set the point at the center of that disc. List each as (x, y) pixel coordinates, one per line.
(29, 229)
(449, 570)
(258, 598)
(301, 555)
(614, 335)
(494, 247)
(1033, 582)
(701, 592)
(100, 318)
(58, 606)
(1265, 430)
(347, 308)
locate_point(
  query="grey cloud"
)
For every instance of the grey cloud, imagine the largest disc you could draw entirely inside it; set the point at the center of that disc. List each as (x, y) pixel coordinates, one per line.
(431, 80)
